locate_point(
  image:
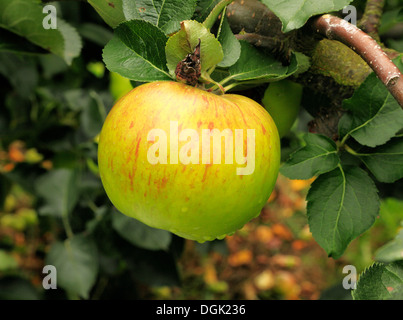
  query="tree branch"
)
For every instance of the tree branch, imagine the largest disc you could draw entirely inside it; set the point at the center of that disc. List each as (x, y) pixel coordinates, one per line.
(339, 29)
(371, 19)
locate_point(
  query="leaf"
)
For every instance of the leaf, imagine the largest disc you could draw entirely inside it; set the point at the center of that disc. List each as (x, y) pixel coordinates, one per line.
(76, 263)
(59, 190)
(139, 234)
(165, 14)
(386, 161)
(392, 251)
(294, 14)
(109, 10)
(21, 71)
(204, 8)
(137, 52)
(342, 204)
(63, 41)
(10, 42)
(96, 33)
(184, 42)
(253, 64)
(374, 116)
(317, 157)
(380, 282)
(230, 44)
(93, 115)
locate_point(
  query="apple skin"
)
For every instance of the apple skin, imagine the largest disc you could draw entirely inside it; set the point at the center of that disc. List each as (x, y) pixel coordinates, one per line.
(200, 202)
(119, 85)
(282, 100)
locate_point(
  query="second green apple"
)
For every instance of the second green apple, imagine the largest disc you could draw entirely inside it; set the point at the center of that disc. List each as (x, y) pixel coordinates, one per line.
(282, 100)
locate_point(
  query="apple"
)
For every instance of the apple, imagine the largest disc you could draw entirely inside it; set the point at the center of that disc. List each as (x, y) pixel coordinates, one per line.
(182, 159)
(282, 100)
(119, 85)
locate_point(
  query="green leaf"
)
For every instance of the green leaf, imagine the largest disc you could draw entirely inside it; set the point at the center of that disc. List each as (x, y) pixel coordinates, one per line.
(230, 44)
(374, 116)
(317, 157)
(24, 17)
(253, 64)
(386, 161)
(204, 7)
(380, 282)
(76, 263)
(111, 11)
(93, 116)
(10, 42)
(294, 14)
(139, 234)
(96, 33)
(184, 42)
(392, 251)
(21, 71)
(137, 52)
(342, 204)
(165, 14)
(59, 190)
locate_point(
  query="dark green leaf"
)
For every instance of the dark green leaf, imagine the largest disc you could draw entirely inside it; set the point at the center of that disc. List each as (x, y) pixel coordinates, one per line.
(111, 11)
(165, 14)
(93, 115)
(204, 7)
(59, 190)
(76, 263)
(386, 161)
(253, 64)
(317, 157)
(342, 204)
(25, 17)
(140, 234)
(95, 33)
(10, 42)
(137, 52)
(294, 14)
(21, 71)
(380, 282)
(374, 116)
(230, 44)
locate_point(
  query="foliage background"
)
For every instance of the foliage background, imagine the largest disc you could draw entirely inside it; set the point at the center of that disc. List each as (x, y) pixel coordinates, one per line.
(53, 209)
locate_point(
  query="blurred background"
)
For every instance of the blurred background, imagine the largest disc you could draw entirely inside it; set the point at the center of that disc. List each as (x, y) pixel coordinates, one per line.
(53, 209)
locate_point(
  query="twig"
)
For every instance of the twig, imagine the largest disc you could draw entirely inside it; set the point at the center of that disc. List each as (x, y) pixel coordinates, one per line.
(371, 19)
(339, 29)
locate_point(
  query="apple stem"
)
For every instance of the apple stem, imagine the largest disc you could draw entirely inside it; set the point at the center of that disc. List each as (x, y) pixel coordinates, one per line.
(213, 16)
(207, 79)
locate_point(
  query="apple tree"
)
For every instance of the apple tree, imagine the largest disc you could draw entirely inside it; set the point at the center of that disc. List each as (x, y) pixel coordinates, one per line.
(328, 72)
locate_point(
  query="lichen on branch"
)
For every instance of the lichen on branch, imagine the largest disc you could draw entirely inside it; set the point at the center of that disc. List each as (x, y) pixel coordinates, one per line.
(339, 29)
